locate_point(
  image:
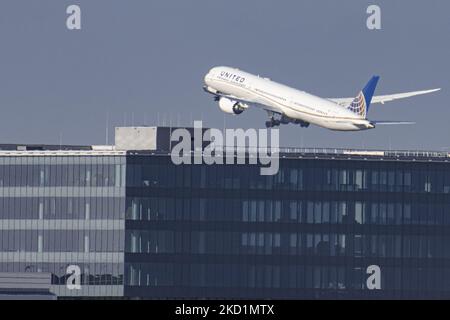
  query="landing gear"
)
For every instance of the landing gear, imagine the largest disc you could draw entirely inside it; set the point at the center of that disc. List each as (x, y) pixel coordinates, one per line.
(272, 123)
(304, 124)
(284, 120)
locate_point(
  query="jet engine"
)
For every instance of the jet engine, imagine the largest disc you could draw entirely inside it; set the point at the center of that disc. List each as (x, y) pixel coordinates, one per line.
(230, 106)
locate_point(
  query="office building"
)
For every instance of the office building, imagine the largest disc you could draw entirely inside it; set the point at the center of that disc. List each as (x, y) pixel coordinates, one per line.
(137, 226)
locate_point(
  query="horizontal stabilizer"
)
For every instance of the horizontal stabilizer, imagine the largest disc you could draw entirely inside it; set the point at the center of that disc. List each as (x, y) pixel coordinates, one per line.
(391, 122)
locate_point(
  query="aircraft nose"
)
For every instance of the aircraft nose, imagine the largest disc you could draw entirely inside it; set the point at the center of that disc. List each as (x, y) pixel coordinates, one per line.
(208, 77)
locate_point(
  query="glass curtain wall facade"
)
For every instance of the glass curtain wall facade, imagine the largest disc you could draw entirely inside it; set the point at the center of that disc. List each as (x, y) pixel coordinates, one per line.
(314, 230)
(138, 226)
(59, 210)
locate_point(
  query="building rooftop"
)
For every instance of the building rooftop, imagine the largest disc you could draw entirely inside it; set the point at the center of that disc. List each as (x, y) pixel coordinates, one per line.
(288, 153)
(41, 147)
(156, 141)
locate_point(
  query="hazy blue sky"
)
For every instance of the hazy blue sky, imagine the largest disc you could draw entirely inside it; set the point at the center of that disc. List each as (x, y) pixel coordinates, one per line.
(140, 59)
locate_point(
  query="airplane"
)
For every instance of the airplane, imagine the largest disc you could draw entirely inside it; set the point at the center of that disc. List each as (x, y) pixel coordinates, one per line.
(236, 91)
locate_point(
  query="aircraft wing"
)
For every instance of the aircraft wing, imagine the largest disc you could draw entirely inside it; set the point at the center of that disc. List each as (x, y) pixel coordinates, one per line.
(383, 99)
(247, 102)
(218, 95)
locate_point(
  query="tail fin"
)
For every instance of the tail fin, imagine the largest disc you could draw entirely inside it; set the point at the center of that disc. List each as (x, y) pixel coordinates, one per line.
(362, 101)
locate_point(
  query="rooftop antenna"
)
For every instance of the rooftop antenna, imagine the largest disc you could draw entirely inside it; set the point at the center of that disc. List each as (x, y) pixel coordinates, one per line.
(224, 123)
(170, 131)
(107, 128)
(60, 140)
(124, 119)
(157, 118)
(132, 119)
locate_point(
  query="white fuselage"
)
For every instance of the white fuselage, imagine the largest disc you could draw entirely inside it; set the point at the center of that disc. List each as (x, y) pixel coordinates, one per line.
(284, 100)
